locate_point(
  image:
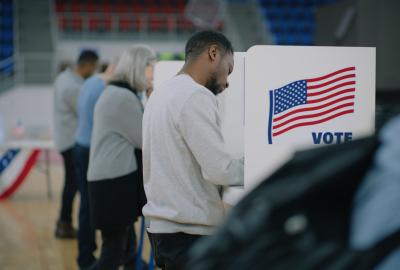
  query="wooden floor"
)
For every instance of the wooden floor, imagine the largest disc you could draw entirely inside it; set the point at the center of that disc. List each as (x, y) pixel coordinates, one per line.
(27, 222)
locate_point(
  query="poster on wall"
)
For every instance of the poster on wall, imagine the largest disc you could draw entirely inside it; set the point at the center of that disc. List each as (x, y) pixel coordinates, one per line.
(298, 97)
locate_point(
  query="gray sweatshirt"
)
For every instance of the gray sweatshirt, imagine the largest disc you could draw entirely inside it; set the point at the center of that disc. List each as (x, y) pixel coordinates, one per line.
(67, 86)
(117, 131)
(184, 162)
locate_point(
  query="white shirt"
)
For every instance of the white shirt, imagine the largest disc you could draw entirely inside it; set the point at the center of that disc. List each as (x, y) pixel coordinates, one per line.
(184, 161)
(67, 86)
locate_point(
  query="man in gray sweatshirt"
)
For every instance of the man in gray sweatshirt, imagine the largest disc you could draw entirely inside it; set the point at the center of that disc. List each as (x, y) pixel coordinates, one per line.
(184, 162)
(67, 86)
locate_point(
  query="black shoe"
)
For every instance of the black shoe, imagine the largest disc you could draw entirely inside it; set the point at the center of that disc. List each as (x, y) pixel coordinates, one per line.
(145, 265)
(132, 266)
(64, 230)
(90, 267)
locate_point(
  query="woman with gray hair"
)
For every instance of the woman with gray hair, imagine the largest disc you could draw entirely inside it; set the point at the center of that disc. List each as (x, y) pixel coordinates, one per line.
(115, 167)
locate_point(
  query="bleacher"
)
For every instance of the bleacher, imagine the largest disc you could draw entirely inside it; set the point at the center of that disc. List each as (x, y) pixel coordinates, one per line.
(291, 22)
(122, 16)
(6, 38)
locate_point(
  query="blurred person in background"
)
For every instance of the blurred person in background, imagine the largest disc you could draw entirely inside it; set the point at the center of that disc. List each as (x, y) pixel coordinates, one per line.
(184, 161)
(88, 96)
(67, 86)
(115, 167)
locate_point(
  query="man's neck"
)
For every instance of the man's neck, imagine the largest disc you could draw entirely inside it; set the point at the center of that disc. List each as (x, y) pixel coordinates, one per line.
(195, 71)
(77, 71)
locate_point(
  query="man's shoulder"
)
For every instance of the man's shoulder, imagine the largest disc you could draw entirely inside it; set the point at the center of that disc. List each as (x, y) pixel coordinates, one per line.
(66, 75)
(93, 80)
(182, 88)
(66, 82)
(93, 85)
(61, 77)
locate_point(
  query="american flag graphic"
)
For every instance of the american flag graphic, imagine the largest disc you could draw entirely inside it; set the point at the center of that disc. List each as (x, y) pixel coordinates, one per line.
(311, 101)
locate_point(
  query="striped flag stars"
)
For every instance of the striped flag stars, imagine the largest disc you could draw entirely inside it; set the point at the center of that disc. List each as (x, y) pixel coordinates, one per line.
(290, 95)
(311, 101)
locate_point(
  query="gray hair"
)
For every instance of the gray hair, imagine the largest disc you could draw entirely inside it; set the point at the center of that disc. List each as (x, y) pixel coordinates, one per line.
(132, 64)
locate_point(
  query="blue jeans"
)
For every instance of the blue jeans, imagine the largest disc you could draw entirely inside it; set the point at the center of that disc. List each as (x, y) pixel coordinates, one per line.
(86, 232)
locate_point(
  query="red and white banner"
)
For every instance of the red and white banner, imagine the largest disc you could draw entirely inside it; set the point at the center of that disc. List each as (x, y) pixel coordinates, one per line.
(15, 166)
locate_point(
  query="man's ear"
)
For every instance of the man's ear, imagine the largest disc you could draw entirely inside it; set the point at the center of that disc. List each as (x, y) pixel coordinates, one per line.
(213, 52)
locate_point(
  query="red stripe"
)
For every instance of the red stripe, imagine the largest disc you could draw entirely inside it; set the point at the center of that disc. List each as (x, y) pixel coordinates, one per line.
(330, 82)
(313, 122)
(330, 89)
(351, 90)
(21, 177)
(312, 108)
(314, 115)
(331, 74)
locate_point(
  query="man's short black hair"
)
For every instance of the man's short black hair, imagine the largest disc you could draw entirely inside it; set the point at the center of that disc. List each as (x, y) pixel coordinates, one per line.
(202, 40)
(87, 56)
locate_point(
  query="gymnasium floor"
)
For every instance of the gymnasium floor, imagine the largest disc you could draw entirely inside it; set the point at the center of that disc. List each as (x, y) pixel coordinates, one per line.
(27, 222)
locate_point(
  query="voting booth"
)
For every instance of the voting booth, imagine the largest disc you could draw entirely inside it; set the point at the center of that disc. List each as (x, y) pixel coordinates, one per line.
(303, 97)
(287, 98)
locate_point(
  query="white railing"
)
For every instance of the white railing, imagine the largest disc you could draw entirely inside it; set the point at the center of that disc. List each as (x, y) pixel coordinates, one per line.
(7, 73)
(27, 68)
(5, 63)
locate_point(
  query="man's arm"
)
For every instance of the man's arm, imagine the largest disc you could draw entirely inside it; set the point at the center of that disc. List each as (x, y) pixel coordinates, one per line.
(70, 97)
(200, 129)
